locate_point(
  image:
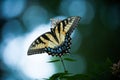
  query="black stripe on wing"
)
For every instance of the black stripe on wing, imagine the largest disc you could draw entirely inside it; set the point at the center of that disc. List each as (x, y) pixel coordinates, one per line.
(59, 28)
(53, 34)
(45, 37)
(64, 23)
(37, 41)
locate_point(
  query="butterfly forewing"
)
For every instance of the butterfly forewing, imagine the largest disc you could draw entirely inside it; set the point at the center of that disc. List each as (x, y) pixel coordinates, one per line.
(42, 42)
(64, 27)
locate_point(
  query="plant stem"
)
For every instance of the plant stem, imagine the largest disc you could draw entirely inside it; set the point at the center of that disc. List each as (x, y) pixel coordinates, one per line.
(63, 64)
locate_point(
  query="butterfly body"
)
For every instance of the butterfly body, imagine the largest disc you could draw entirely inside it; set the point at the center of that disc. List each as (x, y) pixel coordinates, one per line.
(57, 41)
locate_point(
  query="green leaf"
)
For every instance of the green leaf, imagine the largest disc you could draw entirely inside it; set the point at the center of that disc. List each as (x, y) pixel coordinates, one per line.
(58, 76)
(54, 61)
(69, 59)
(67, 76)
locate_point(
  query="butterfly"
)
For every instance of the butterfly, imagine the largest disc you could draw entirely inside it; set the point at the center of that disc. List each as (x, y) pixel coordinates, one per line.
(57, 41)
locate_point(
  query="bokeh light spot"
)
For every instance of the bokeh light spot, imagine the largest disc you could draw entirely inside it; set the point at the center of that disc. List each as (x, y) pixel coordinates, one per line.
(34, 66)
(12, 8)
(113, 17)
(81, 8)
(110, 16)
(11, 29)
(77, 8)
(76, 39)
(34, 16)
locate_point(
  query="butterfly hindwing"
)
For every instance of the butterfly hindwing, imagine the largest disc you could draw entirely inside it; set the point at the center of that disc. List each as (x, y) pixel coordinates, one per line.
(61, 49)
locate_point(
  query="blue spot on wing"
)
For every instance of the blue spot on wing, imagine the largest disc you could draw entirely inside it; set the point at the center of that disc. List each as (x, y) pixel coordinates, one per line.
(54, 51)
(51, 50)
(60, 49)
(48, 49)
(66, 44)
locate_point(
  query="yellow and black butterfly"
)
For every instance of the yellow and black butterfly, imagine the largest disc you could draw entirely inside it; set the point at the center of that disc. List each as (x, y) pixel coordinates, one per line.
(57, 41)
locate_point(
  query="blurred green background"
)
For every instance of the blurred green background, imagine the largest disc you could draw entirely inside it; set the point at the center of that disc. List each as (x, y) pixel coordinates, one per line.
(96, 39)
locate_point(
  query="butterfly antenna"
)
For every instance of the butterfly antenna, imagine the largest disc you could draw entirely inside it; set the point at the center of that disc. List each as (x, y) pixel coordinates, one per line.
(63, 64)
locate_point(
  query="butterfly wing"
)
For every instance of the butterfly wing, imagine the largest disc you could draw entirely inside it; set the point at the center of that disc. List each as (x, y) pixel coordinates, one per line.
(57, 41)
(62, 32)
(42, 42)
(65, 27)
